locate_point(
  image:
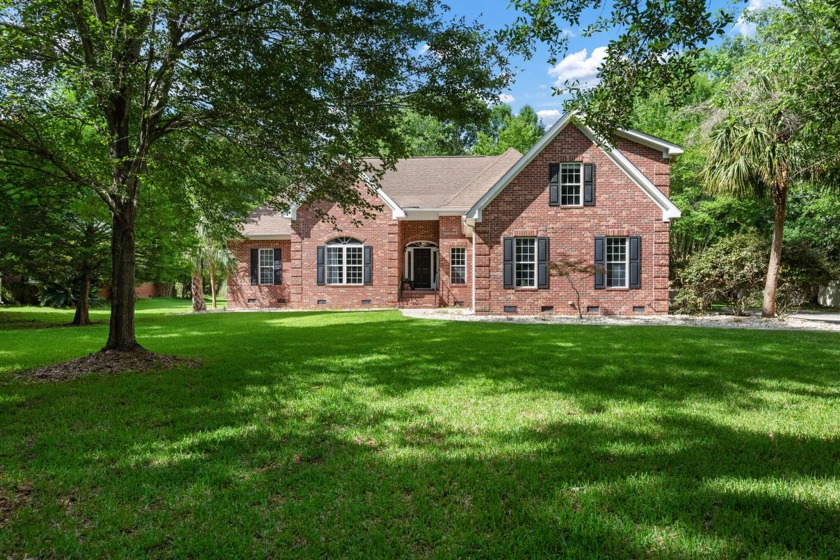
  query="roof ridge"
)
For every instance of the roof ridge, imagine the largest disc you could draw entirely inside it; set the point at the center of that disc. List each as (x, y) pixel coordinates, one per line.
(496, 160)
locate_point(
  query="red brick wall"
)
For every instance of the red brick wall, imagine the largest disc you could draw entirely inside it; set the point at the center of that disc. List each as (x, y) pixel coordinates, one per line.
(621, 208)
(415, 230)
(451, 235)
(649, 161)
(240, 290)
(309, 231)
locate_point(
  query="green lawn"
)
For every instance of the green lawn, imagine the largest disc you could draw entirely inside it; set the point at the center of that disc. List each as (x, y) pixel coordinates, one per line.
(368, 434)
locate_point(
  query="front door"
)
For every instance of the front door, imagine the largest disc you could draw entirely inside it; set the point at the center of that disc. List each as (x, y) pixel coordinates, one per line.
(422, 268)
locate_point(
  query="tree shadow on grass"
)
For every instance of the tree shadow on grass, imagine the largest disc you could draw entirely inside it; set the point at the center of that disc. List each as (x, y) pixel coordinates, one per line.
(396, 437)
(352, 479)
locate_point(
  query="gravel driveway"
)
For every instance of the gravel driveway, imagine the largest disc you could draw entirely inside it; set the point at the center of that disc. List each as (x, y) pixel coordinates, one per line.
(805, 321)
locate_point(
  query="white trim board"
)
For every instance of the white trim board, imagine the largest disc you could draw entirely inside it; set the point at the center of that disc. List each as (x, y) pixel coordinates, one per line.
(669, 210)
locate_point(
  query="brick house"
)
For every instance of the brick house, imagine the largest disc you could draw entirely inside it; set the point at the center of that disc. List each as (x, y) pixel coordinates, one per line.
(479, 232)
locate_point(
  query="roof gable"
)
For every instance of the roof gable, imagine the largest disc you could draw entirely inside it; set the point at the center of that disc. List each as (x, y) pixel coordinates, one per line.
(669, 210)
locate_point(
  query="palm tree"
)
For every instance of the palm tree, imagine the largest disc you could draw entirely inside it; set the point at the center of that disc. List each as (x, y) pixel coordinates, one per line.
(754, 151)
(210, 254)
(219, 260)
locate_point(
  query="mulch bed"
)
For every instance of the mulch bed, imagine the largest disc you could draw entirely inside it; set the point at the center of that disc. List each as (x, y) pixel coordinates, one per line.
(108, 362)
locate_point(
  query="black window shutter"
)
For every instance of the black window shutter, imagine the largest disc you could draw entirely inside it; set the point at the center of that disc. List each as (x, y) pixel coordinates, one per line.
(542, 263)
(368, 266)
(278, 266)
(255, 267)
(554, 184)
(321, 275)
(589, 184)
(600, 262)
(635, 262)
(508, 262)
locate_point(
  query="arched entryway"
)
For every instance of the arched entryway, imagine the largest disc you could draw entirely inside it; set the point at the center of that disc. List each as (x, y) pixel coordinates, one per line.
(421, 264)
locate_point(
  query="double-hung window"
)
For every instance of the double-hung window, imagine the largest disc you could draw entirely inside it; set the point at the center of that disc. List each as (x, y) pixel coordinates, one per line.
(571, 184)
(266, 264)
(616, 262)
(345, 261)
(458, 265)
(526, 262)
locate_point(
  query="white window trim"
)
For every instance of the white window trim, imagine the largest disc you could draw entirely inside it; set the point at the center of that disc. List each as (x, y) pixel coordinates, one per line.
(452, 266)
(625, 262)
(517, 262)
(335, 244)
(560, 184)
(261, 266)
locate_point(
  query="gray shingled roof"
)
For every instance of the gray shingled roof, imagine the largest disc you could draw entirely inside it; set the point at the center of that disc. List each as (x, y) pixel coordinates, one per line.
(452, 182)
(441, 183)
(266, 222)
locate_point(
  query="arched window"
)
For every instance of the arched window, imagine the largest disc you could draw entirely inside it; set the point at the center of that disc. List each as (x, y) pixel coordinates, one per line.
(345, 261)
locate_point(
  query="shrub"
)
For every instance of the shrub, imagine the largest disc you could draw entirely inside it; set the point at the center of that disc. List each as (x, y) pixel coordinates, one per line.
(64, 295)
(731, 271)
(804, 269)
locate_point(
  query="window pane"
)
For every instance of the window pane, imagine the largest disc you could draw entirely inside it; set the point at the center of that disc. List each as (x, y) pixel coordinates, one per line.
(335, 260)
(526, 258)
(266, 266)
(616, 275)
(458, 264)
(570, 180)
(354, 259)
(616, 262)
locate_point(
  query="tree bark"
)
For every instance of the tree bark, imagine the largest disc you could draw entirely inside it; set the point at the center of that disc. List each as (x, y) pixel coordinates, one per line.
(779, 194)
(198, 291)
(82, 316)
(213, 282)
(121, 334)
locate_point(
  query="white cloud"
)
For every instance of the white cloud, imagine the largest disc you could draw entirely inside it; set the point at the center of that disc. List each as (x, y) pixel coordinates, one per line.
(506, 98)
(549, 116)
(579, 66)
(746, 28)
(424, 49)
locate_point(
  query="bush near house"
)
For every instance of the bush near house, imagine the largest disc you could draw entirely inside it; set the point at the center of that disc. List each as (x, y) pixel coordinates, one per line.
(733, 271)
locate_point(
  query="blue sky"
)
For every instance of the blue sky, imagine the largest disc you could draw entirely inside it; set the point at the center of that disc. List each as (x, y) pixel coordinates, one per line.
(533, 85)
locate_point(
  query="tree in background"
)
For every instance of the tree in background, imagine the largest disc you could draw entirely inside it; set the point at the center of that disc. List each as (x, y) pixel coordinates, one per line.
(793, 43)
(426, 135)
(656, 50)
(300, 93)
(59, 239)
(506, 130)
(756, 149)
(209, 254)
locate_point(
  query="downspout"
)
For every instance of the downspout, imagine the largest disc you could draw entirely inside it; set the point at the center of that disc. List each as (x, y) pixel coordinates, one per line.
(465, 226)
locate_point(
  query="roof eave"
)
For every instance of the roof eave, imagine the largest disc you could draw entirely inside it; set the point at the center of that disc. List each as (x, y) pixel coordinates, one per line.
(668, 149)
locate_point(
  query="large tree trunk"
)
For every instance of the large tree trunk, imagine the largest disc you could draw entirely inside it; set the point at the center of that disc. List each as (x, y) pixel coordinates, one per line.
(779, 195)
(213, 282)
(82, 316)
(121, 334)
(198, 291)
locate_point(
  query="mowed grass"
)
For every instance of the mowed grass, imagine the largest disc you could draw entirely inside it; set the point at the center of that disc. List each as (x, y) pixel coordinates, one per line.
(372, 435)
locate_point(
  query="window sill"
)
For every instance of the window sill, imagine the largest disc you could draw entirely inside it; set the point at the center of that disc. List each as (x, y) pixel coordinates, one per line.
(525, 289)
(346, 285)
